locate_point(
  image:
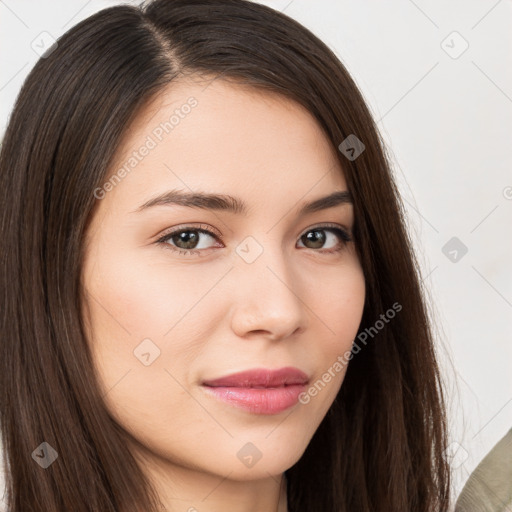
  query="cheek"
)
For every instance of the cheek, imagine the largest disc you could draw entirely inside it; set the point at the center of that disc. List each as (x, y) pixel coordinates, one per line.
(148, 321)
(339, 308)
(143, 297)
(340, 304)
(133, 305)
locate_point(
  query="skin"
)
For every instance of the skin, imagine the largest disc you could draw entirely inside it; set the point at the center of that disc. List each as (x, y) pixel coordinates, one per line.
(212, 313)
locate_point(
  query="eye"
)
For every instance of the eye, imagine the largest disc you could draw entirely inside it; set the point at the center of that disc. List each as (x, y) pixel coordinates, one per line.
(317, 238)
(187, 239)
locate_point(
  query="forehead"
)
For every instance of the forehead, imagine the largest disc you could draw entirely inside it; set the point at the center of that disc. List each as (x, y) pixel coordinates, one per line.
(222, 136)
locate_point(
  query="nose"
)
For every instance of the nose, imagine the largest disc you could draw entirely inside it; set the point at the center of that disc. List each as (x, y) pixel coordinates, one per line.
(267, 298)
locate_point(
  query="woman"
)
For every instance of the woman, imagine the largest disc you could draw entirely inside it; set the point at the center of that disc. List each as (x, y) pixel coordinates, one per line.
(210, 301)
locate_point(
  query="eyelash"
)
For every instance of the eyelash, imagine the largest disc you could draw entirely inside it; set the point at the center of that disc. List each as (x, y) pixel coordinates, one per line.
(342, 234)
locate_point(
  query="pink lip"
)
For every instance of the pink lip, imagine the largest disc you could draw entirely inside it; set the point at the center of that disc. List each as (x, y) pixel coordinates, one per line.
(260, 390)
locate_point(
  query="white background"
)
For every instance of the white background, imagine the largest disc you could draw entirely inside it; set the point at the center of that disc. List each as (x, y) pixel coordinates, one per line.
(448, 123)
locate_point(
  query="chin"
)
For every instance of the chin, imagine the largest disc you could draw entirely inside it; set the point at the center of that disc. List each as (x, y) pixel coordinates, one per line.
(271, 461)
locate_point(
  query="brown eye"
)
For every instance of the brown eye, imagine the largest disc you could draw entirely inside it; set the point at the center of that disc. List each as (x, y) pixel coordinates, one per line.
(191, 240)
(188, 239)
(316, 238)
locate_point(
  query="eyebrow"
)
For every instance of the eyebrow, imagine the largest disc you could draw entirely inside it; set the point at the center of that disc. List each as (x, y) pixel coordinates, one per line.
(227, 203)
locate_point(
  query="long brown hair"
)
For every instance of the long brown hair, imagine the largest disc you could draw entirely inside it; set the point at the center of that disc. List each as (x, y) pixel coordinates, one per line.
(380, 446)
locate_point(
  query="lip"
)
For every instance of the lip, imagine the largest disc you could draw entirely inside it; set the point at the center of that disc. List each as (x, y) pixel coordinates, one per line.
(259, 390)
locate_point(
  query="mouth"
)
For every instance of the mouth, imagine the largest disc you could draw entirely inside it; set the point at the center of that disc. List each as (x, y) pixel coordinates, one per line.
(259, 391)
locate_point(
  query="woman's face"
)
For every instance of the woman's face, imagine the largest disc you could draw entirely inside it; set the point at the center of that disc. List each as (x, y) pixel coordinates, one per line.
(267, 289)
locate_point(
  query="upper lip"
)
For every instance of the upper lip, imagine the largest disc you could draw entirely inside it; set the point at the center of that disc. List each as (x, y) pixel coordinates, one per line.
(260, 377)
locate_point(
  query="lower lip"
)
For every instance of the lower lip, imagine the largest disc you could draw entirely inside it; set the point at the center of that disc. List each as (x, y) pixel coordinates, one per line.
(259, 400)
